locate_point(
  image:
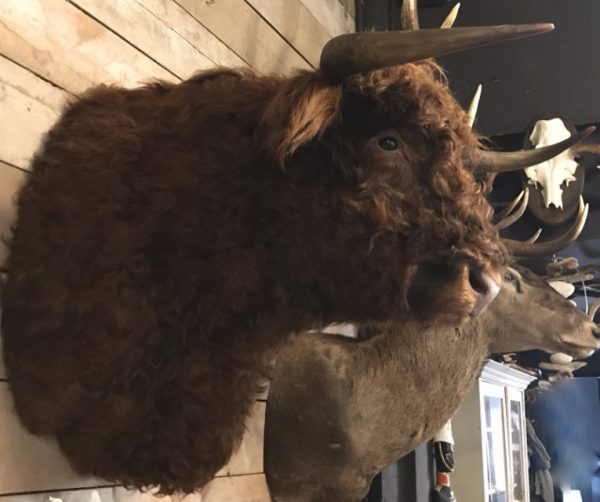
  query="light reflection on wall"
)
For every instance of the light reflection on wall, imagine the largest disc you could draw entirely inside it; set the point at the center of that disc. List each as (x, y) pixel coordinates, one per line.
(567, 421)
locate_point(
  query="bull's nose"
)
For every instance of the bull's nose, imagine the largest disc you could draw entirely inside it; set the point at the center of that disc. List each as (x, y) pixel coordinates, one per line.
(485, 287)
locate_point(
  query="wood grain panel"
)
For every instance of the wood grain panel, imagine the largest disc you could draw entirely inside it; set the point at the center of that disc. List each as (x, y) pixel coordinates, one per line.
(248, 459)
(57, 41)
(30, 463)
(28, 107)
(350, 7)
(10, 181)
(296, 24)
(332, 16)
(246, 33)
(180, 21)
(148, 33)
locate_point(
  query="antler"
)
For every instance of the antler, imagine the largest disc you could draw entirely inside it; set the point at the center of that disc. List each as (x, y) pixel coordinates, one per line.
(500, 162)
(507, 218)
(529, 250)
(449, 21)
(354, 53)
(508, 208)
(409, 19)
(474, 105)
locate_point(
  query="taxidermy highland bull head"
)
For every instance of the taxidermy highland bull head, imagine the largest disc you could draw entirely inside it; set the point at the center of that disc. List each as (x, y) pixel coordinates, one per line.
(170, 237)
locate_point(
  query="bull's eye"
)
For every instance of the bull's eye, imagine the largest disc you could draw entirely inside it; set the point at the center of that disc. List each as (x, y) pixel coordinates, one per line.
(388, 143)
(509, 277)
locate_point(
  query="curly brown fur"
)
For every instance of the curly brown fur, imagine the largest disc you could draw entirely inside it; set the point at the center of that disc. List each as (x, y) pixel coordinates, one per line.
(170, 238)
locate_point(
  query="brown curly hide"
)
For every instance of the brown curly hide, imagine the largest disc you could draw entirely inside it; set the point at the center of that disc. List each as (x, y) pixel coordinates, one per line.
(170, 237)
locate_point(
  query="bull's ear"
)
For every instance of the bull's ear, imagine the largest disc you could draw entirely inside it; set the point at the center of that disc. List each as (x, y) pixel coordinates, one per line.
(300, 112)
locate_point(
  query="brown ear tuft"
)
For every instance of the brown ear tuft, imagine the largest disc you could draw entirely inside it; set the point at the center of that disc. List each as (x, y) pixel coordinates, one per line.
(301, 111)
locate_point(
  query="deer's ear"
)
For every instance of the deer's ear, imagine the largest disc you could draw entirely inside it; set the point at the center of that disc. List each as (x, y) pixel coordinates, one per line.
(301, 111)
(566, 289)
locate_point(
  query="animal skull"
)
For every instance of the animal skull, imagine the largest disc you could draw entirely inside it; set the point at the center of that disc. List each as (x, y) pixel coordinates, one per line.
(551, 174)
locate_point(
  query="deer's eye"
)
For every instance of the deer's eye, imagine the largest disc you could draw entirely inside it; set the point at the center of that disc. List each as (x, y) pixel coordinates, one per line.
(388, 143)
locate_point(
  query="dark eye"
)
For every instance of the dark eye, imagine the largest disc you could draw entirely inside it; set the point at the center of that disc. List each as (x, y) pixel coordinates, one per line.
(388, 143)
(509, 277)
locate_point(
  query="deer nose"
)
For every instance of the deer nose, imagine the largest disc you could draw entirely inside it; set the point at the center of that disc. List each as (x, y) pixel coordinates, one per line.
(485, 287)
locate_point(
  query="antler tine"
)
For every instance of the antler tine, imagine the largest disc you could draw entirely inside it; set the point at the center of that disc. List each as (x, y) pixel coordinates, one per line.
(510, 219)
(487, 161)
(506, 211)
(585, 148)
(530, 250)
(409, 18)
(474, 105)
(535, 236)
(594, 308)
(451, 17)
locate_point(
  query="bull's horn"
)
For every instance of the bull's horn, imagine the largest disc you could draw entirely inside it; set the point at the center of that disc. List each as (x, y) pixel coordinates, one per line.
(354, 53)
(530, 250)
(510, 218)
(409, 19)
(451, 17)
(500, 162)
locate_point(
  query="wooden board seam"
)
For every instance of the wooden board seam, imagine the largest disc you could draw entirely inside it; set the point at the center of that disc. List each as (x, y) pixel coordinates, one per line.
(141, 4)
(10, 164)
(213, 33)
(41, 77)
(56, 490)
(280, 34)
(128, 42)
(218, 36)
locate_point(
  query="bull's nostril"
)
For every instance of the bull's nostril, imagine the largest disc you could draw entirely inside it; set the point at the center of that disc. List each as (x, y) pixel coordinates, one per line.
(486, 288)
(478, 282)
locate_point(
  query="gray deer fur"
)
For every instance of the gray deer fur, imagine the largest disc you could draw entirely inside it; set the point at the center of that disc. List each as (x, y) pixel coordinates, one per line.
(340, 410)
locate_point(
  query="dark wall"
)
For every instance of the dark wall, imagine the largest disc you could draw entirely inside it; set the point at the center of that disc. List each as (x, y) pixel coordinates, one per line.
(555, 72)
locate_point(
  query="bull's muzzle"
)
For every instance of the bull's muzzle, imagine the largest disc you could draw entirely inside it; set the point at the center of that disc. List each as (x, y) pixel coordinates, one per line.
(485, 288)
(451, 289)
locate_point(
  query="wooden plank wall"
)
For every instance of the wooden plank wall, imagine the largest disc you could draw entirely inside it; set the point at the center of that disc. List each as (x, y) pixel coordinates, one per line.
(52, 50)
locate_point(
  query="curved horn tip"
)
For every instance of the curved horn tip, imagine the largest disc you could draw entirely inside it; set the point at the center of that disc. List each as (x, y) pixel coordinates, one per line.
(451, 17)
(589, 130)
(535, 236)
(409, 17)
(474, 105)
(513, 161)
(513, 216)
(530, 250)
(353, 53)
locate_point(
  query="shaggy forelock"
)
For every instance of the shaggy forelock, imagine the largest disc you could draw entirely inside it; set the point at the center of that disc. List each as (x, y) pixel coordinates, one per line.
(447, 205)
